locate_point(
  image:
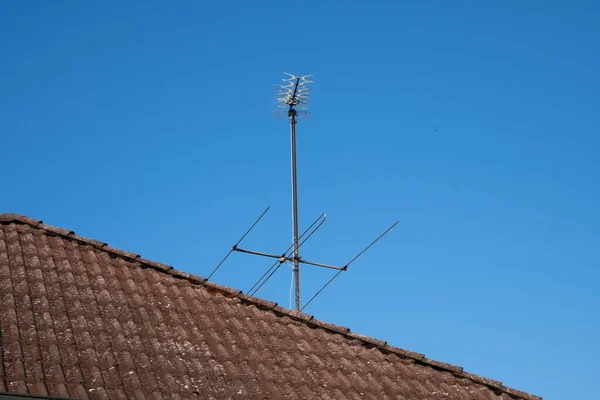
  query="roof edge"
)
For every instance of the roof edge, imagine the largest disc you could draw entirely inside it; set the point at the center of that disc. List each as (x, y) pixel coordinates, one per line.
(307, 319)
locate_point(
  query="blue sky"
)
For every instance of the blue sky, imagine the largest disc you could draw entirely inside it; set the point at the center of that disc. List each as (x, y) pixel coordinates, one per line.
(149, 125)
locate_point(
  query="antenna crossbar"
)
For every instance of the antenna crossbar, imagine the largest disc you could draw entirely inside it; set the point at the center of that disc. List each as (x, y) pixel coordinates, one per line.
(258, 253)
(322, 265)
(283, 258)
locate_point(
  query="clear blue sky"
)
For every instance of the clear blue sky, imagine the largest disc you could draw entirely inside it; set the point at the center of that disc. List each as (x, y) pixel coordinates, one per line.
(148, 125)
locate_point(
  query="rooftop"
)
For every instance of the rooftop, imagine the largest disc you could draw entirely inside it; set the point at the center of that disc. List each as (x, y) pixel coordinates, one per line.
(81, 319)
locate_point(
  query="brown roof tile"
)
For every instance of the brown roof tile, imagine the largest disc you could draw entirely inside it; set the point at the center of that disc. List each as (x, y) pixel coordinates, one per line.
(81, 319)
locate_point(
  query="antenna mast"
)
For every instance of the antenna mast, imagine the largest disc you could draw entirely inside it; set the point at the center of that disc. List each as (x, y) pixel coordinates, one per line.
(293, 96)
(294, 93)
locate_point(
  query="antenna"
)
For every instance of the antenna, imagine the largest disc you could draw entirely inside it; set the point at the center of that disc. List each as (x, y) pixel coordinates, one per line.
(293, 95)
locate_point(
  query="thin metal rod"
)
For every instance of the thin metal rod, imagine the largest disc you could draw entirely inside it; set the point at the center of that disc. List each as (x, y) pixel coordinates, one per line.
(261, 278)
(321, 265)
(292, 115)
(320, 290)
(258, 253)
(372, 243)
(346, 266)
(238, 242)
(266, 279)
(313, 232)
(221, 263)
(324, 218)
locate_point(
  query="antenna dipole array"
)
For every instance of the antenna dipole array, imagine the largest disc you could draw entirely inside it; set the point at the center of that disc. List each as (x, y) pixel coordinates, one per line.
(293, 94)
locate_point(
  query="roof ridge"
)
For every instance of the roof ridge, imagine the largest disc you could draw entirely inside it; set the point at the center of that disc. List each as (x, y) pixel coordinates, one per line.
(215, 288)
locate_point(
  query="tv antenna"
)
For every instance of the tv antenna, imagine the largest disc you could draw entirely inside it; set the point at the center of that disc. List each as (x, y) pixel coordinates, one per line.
(293, 95)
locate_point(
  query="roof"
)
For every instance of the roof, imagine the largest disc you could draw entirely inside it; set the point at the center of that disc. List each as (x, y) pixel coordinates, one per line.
(81, 319)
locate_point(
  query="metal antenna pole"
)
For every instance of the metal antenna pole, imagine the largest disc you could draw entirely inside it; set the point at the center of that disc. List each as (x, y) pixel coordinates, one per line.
(292, 114)
(294, 95)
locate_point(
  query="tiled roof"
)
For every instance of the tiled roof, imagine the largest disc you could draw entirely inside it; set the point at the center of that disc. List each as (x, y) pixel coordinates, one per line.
(81, 319)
